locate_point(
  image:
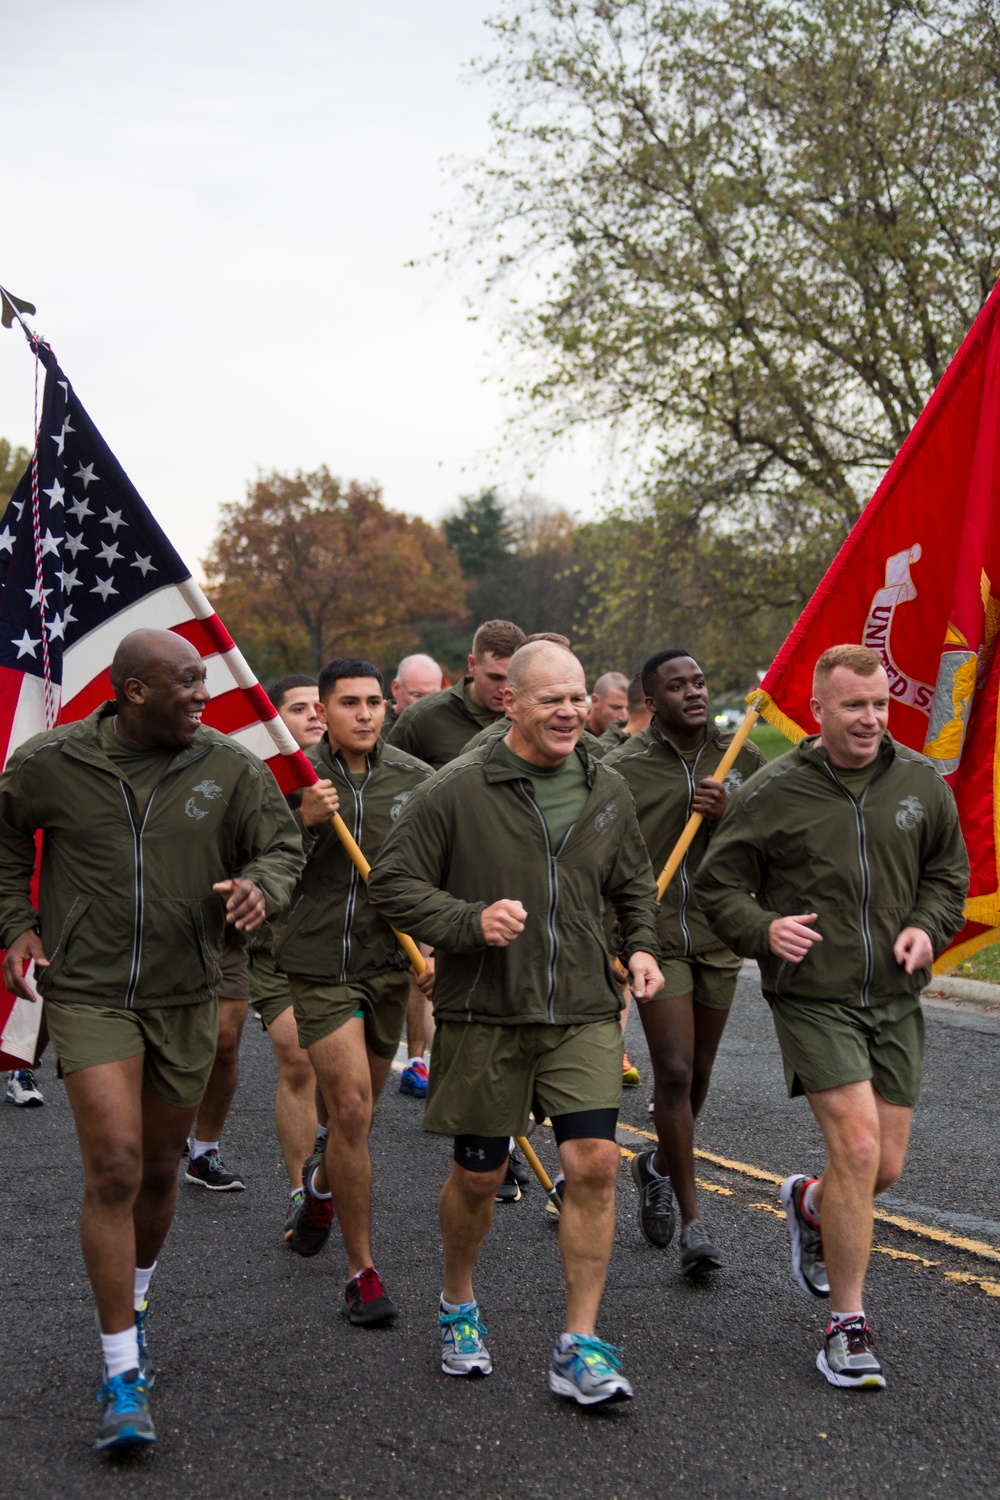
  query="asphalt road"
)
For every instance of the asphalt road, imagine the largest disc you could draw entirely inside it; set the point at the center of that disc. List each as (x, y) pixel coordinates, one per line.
(265, 1391)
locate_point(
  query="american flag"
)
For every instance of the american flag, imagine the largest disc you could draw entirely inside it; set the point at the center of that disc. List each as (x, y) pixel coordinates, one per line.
(83, 562)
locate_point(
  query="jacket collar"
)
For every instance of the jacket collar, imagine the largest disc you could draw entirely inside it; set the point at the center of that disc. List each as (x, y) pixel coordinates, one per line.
(323, 754)
(84, 742)
(811, 750)
(497, 768)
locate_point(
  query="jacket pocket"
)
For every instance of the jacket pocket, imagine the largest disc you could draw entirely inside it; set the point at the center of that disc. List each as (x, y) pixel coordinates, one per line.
(59, 964)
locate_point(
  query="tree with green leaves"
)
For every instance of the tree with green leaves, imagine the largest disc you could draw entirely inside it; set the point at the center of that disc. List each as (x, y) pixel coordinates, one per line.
(13, 462)
(760, 229)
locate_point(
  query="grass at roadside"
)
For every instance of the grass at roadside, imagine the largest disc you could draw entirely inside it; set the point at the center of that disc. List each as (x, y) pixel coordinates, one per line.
(984, 966)
(769, 739)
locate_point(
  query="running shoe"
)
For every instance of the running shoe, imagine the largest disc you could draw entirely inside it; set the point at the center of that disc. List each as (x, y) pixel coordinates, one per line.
(366, 1301)
(587, 1371)
(462, 1349)
(521, 1172)
(210, 1171)
(509, 1190)
(804, 1233)
(846, 1358)
(318, 1150)
(147, 1372)
(698, 1254)
(22, 1090)
(656, 1201)
(413, 1080)
(630, 1074)
(313, 1219)
(125, 1422)
(293, 1204)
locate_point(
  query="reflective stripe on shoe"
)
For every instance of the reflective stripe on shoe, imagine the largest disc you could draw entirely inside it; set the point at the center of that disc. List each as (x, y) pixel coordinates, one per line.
(463, 1351)
(210, 1171)
(587, 1371)
(846, 1358)
(656, 1201)
(806, 1240)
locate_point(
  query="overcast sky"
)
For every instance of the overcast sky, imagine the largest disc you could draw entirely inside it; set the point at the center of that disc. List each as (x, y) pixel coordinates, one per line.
(213, 204)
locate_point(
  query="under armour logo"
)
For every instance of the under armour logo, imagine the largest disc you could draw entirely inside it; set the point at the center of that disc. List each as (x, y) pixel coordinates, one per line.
(475, 1154)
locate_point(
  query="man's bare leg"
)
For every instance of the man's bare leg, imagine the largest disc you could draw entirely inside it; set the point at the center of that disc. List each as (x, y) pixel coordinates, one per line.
(851, 1119)
(586, 1227)
(351, 1079)
(130, 1143)
(683, 1039)
(295, 1095)
(225, 1075)
(465, 1213)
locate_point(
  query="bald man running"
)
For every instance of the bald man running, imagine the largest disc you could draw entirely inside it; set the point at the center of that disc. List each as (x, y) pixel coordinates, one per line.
(503, 861)
(158, 833)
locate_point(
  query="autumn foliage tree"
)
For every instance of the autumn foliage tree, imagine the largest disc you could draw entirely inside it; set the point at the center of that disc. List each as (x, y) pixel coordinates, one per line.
(309, 567)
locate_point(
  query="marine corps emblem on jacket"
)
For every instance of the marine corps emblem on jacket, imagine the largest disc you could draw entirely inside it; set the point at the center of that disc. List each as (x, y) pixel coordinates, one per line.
(910, 815)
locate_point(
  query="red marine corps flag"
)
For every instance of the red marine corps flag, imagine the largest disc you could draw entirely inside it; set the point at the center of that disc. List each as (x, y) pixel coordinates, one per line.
(83, 562)
(918, 580)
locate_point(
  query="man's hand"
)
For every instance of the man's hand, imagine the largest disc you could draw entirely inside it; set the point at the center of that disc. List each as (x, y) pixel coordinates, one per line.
(710, 799)
(245, 905)
(21, 951)
(645, 979)
(319, 803)
(913, 949)
(425, 981)
(792, 937)
(503, 922)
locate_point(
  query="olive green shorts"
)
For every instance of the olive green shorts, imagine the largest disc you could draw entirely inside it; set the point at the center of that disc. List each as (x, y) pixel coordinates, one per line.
(235, 981)
(825, 1045)
(177, 1042)
(380, 1001)
(709, 977)
(486, 1080)
(270, 993)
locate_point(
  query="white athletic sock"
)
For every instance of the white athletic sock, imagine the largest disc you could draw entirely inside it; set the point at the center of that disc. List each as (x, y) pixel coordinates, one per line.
(412, 1060)
(809, 1201)
(200, 1148)
(846, 1317)
(140, 1284)
(312, 1185)
(458, 1307)
(121, 1352)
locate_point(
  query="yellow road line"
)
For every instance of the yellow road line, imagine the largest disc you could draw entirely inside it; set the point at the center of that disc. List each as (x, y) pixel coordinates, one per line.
(985, 1283)
(911, 1226)
(903, 1255)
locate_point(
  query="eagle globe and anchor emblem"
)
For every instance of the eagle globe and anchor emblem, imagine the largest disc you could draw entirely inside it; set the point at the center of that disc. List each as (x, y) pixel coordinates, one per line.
(947, 702)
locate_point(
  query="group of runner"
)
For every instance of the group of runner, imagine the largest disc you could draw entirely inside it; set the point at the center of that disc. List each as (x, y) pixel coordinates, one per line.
(513, 825)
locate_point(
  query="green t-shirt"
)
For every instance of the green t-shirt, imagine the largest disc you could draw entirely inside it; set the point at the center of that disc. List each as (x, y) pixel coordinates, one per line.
(856, 780)
(142, 769)
(560, 791)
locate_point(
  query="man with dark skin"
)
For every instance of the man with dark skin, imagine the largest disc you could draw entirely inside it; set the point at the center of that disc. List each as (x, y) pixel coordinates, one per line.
(668, 768)
(140, 807)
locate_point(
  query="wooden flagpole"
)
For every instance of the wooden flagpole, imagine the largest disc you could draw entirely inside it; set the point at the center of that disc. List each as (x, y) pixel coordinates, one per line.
(695, 821)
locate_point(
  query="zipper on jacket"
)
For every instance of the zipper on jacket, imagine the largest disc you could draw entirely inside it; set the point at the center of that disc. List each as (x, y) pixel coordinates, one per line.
(866, 887)
(136, 965)
(352, 890)
(683, 872)
(553, 872)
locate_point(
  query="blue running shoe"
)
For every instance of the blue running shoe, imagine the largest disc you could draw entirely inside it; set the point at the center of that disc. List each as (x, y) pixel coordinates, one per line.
(126, 1422)
(586, 1370)
(413, 1080)
(462, 1349)
(147, 1372)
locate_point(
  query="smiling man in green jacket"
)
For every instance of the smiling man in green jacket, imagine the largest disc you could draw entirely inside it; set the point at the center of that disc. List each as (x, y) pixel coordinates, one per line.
(841, 868)
(503, 862)
(157, 832)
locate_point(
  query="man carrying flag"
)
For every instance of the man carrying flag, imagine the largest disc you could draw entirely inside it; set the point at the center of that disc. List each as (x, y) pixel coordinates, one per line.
(841, 869)
(130, 926)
